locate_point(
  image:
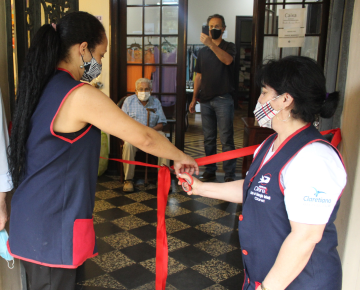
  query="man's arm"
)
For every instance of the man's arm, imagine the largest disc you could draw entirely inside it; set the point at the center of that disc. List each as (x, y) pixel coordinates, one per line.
(125, 106)
(3, 210)
(197, 84)
(158, 127)
(221, 54)
(5, 180)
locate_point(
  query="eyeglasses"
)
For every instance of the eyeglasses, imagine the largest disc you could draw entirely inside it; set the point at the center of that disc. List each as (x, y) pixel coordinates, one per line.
(143, 90)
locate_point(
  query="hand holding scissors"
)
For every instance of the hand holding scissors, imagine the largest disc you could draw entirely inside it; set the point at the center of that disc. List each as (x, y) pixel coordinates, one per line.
(186, 181)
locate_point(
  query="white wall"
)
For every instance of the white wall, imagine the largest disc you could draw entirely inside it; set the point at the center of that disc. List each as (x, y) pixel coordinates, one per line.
(200, 10)
(101, 8)
(348, 220)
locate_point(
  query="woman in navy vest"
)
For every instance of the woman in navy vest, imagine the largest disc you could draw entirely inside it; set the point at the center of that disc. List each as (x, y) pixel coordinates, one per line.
(55, 149)
(291, 192)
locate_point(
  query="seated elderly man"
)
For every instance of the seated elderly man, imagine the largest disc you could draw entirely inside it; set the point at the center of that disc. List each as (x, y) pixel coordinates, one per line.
(138, 106)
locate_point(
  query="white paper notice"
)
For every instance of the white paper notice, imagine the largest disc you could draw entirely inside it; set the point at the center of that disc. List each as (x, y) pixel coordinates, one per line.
(292, 27)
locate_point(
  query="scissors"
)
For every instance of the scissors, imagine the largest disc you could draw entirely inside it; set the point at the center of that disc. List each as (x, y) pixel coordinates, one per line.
(185, 182)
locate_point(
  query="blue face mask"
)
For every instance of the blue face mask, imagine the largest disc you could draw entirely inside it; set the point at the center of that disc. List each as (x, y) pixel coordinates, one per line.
(3, 248)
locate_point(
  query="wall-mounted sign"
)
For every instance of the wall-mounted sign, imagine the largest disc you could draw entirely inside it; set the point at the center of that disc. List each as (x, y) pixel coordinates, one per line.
(292, 27)
(99, 17)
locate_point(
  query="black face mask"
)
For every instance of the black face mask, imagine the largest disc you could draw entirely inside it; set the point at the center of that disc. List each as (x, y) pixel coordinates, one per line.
(216, 33)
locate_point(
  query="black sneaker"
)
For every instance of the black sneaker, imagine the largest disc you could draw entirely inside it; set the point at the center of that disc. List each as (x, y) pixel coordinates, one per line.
(229, 179)
(206, 177)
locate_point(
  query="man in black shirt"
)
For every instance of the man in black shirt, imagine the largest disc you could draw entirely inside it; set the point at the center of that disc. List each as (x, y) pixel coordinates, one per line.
(214, 83)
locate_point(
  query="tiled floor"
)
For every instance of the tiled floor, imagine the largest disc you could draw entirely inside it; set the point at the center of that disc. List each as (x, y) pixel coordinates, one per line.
(202, 233)
(202, 237)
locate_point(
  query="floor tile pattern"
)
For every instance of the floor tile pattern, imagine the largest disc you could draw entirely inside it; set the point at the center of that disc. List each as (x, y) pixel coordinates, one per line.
(204, 250)
(194, 138)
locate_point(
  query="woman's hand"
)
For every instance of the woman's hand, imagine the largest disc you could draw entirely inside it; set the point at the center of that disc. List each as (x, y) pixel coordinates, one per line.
(186, 164)
(3, 210)
(195, 187)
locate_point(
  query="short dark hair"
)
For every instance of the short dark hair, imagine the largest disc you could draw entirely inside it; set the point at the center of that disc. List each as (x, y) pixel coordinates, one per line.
(304, 80)
(217, 16)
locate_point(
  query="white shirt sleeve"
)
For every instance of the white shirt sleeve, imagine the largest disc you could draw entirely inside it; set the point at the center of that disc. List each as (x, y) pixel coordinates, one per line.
(313, 182)
(5, 180)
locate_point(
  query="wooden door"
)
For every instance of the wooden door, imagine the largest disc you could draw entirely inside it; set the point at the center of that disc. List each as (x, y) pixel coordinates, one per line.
(265, 35)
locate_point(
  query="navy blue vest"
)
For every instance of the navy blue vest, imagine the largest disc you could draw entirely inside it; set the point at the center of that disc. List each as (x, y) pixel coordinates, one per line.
(264, 224)
(51, 211)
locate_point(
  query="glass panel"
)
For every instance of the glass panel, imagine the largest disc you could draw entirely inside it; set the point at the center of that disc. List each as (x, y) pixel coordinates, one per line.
(246, 31)
(271, 19)
(134, 20)
(271, 50)
(152, 20)
(134, 2)
(169, 50)
(152, 2)
(134, 72)
(155, 79)
(310, 47)
(277, 1)
(168, 79)
(292, 6)
(152, 46)
(134, 50)
(170, 2)
(168, 101)
(313, 18)
(170, 20)
(168, 105)
(289, 1)
(289, 51)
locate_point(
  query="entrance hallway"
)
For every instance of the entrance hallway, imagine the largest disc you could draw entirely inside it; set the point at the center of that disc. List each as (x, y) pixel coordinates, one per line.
(194, 139)
(203, 241)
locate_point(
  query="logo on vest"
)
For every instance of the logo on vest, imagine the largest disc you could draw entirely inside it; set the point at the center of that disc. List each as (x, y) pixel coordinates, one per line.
(310, 200)
(265, 179)
(260, 192)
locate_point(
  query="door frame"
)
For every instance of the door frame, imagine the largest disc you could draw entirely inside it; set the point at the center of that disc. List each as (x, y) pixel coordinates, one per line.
(118, 67)
(258, 42)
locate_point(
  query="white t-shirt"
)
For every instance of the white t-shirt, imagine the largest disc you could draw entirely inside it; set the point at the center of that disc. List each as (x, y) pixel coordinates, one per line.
(313, 182)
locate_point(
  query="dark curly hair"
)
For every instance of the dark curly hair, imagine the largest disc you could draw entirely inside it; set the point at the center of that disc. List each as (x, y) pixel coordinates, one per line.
(304, 80)
(47, 48)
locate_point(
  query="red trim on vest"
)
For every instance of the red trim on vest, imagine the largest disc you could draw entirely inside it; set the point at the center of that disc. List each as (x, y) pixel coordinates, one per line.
(65, 70)
(257, 284)
(280, 147)
(52, 122)
(45, 264)
(313, 141)
(244, 280)
(260, 146)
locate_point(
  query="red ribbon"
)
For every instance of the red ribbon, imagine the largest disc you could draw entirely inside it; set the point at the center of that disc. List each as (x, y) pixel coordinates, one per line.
(164, 182)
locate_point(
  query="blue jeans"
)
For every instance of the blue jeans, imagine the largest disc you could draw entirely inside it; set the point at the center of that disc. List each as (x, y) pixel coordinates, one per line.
(219, 112)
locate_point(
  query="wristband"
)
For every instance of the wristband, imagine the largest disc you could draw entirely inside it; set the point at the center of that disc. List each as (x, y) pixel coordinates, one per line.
(263, 287)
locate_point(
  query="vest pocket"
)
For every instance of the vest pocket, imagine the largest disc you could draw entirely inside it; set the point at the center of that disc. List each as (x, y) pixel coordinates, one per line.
(83, 240)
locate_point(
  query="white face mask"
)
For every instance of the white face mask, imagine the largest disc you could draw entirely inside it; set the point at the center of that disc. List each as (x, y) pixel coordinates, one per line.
(143, 96)
(264, 113)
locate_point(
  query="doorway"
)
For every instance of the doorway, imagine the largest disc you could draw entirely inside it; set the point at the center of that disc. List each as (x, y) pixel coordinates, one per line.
(198, 12)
